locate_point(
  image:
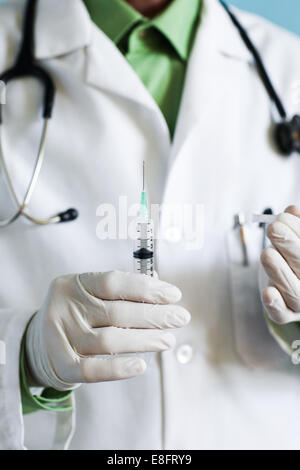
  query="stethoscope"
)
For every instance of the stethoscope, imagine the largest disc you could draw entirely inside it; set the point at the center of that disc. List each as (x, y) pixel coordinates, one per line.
(26, 66)
(286, 132)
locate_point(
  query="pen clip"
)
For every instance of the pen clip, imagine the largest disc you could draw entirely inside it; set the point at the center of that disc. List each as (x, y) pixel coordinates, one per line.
(239, 222)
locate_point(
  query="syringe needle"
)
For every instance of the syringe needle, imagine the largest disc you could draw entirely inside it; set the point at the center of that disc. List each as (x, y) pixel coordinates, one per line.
(143, 212)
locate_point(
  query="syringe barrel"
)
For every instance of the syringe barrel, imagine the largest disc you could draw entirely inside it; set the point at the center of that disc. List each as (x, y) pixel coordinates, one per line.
(143, 250)
(144, 266)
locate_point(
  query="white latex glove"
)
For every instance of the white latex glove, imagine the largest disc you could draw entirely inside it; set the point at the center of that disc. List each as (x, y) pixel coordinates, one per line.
(282, 266)
(94, 314)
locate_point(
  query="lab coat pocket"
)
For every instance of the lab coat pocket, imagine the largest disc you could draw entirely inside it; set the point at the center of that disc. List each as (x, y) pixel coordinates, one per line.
(254, 343)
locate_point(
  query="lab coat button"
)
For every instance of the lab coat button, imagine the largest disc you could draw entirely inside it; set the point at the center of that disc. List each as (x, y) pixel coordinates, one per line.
(184, 354)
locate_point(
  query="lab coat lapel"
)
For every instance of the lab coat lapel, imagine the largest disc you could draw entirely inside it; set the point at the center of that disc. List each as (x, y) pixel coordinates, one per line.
(108, 70)
(64, 26)
(61, 26)
(216, 37)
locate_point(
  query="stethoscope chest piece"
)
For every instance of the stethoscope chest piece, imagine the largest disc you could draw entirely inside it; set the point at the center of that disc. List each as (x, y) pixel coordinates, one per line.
(287, 136)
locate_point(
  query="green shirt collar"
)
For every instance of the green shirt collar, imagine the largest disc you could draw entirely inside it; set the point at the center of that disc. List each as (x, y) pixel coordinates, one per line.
(177, 23)
(114, 17)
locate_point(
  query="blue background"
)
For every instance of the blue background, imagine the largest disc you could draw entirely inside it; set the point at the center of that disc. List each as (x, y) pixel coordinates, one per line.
(283, 12)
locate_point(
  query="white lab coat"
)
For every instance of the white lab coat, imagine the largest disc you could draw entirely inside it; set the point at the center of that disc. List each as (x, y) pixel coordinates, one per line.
(237, 388)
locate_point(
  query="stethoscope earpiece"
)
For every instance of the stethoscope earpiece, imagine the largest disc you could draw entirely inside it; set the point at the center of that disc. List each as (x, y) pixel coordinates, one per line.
(287, 136)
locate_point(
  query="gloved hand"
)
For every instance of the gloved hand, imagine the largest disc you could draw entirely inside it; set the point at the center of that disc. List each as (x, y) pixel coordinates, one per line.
(100, 314)
(282, 265)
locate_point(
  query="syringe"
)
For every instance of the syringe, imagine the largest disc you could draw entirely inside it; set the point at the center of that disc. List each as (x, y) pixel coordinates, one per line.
(144, 246)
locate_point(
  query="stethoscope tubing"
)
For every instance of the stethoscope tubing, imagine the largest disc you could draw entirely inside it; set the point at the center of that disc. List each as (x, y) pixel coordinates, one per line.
(21, 206)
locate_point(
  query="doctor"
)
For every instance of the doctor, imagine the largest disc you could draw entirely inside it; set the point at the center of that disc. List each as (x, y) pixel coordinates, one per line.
(204, 133)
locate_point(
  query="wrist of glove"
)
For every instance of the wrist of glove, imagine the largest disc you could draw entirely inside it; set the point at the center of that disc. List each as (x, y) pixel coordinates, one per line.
(42, 372)
(87, 319)
(281, 263)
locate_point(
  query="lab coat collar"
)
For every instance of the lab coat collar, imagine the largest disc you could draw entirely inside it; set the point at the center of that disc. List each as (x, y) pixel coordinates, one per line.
(61, 26)
(217, 39)
(109, 70)
(228, 39)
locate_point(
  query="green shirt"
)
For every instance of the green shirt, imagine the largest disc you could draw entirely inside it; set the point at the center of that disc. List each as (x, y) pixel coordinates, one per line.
(157, 49)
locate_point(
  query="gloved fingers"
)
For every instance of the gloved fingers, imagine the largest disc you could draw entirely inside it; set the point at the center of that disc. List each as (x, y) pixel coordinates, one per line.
(93, 369)
(282, 277)
(118, 285)
(126, 314)
(276, 307)
(287, 242)
(112, 340)
(290, 219)
(294, 210)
